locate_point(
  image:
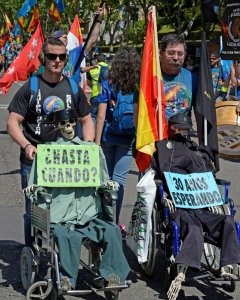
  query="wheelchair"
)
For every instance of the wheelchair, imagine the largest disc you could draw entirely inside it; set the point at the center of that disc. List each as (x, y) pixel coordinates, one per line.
(40, 265)
(165, 243)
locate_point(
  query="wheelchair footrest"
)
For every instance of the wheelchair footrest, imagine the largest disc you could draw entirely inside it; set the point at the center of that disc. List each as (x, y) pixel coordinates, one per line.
(121, 286)
(78, 292)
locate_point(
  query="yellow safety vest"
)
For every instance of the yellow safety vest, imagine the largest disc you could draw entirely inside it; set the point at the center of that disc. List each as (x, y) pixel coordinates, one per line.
(96, 85)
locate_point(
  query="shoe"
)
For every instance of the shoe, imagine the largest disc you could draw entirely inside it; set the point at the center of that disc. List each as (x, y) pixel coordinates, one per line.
(123, 231)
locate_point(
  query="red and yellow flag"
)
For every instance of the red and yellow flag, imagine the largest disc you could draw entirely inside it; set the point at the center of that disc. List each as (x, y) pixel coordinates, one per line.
(22, 21)
(2, 32)
(35, 19)
(9, 25)
(54, 13)
(151, 124)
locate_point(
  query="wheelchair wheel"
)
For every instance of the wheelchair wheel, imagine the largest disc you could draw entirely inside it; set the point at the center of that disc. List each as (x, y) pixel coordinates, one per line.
(41, 290)
(149, 266)
(212, 257)
(212, 252)
(111, 296)
(27, 267)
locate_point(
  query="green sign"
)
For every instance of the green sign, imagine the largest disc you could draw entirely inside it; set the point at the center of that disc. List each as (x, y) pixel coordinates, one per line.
(68, 165)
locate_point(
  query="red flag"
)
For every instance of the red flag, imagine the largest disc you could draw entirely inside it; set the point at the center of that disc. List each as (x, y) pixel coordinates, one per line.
(151, 95)
(25, 63)
(35, 19)
(4, 40)
(54, 13)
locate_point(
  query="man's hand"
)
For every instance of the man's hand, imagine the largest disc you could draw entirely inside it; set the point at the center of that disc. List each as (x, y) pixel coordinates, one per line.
(30, 151)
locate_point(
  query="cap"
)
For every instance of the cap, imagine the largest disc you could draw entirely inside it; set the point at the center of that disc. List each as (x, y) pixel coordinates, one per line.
(101, 57)
(180, 121)
(59, 33)
(60, 115)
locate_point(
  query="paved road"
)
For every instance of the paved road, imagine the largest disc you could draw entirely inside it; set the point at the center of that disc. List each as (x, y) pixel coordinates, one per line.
(11, 233)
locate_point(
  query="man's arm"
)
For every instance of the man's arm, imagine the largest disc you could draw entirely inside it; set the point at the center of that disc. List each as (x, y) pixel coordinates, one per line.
(101, 116)
(87, 128)
(96, 30)
(13, 127)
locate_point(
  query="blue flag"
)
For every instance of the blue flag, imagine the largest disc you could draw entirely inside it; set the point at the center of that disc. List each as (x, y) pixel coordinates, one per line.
(72, 59)
(16, 30)
(26, 8)
(60, 5)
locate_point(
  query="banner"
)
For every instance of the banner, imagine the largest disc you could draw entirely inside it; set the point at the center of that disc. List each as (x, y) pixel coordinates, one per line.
(231, 31)
(193, 191)
(68, 165)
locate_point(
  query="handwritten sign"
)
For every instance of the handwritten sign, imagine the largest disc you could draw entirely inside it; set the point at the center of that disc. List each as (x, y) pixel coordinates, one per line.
(192, 191)
(68, 165)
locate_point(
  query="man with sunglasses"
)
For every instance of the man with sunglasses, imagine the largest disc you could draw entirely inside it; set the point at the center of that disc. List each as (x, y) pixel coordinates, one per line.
(179, 83)
(29, 112)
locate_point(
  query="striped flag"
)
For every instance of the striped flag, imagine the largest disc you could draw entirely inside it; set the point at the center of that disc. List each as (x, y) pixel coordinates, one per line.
(74, 46)
(35, 19)
(75, 35)
(9, 25)
(152, 125)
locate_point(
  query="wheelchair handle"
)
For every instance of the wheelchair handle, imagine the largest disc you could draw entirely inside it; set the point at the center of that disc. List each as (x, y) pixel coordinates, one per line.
(45, 197)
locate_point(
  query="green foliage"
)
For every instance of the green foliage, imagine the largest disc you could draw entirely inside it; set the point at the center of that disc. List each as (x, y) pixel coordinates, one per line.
(122, 22)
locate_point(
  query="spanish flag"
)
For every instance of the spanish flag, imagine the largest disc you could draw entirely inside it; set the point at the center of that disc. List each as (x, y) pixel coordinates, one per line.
(54, 13)
(2, 32)
(22, 21)
(152, 124)
(35, 19)
(9, 25)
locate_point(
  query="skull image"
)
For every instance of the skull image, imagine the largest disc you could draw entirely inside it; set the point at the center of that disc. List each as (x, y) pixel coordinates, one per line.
(67, 128)
(65, 120)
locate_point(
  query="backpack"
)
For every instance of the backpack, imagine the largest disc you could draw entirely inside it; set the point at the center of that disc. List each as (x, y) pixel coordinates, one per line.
(104, 73)
(34, 87)
(121, 122)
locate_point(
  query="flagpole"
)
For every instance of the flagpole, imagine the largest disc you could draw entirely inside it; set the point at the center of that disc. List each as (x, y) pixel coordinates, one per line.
(159, 99)
(87, 39)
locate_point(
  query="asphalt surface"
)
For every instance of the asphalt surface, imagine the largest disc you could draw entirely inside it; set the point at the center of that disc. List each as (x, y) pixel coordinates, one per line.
(11, 231)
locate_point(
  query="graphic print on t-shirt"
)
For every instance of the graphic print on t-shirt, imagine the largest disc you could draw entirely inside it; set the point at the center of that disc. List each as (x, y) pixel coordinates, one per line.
(52, 103)
(178, 97)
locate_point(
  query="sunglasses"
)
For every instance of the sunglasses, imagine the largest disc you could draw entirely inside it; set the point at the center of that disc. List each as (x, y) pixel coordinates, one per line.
(53, 56)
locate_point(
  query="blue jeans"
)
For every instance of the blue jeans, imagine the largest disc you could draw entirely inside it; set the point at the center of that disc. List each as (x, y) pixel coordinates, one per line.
(118, 158)
(25, 172)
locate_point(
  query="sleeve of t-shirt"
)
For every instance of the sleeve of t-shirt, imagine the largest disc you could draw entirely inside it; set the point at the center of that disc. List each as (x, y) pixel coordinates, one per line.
(194, 87)
(83, 107)
(20, 101)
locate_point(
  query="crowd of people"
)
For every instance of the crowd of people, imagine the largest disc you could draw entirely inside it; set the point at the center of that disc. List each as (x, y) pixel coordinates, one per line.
(101, 118)
(7, 55)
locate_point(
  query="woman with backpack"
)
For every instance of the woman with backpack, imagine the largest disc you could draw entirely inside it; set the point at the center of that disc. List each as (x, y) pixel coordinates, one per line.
(115, 129)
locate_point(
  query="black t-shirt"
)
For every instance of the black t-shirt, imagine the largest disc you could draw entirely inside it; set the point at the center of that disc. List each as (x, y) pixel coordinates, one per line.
(51, 97)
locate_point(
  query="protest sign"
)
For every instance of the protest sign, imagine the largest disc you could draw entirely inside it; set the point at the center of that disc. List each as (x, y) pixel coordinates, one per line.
(193, 191)
(68, 165)
(231, 31)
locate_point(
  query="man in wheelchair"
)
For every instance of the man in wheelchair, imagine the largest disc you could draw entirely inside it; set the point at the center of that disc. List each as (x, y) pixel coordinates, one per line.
(178, 154)
(76, 213)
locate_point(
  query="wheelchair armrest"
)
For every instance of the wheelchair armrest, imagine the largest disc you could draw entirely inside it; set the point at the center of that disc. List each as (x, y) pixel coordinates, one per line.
(158, 181)
(44, 197)
(223, 181)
